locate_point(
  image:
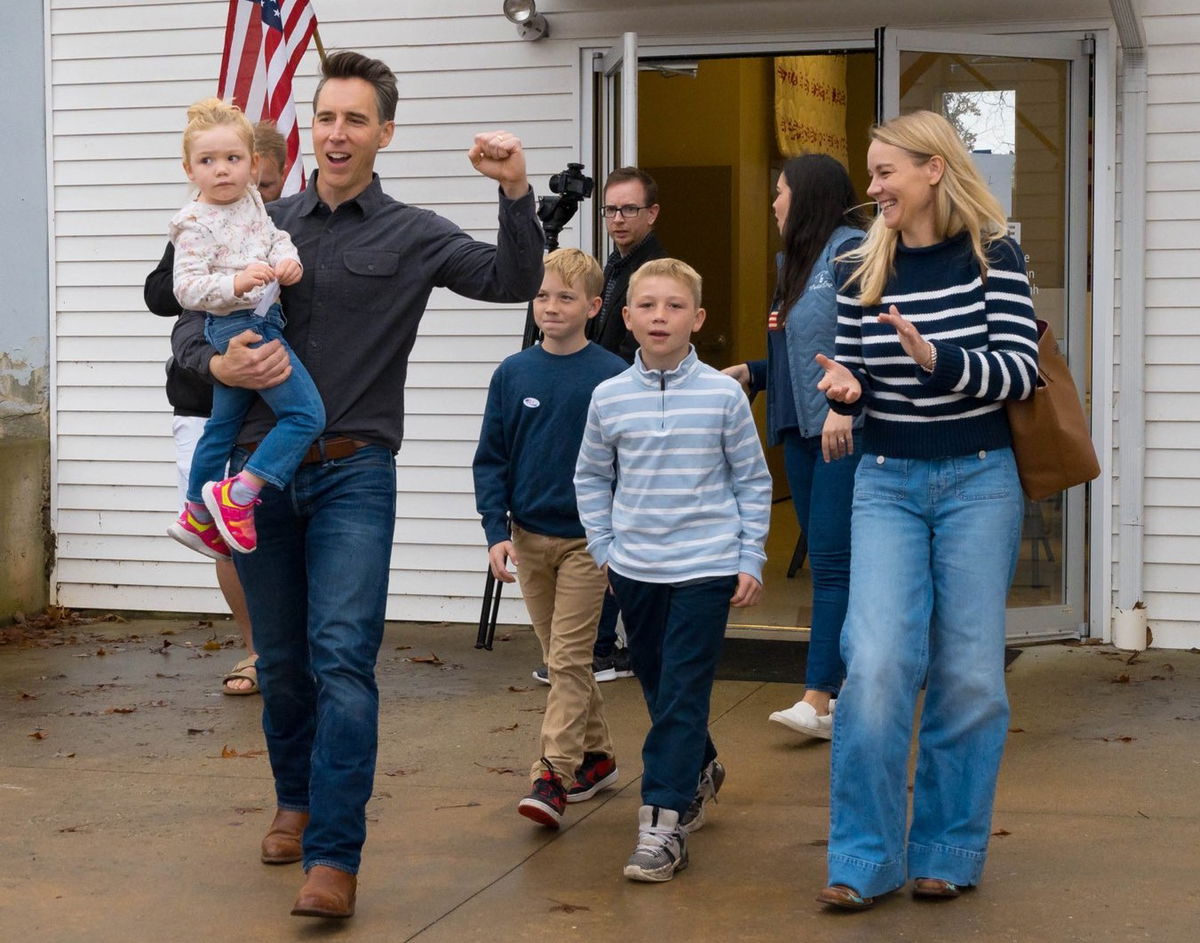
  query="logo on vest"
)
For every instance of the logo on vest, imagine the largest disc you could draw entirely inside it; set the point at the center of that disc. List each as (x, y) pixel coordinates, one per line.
(532, 402)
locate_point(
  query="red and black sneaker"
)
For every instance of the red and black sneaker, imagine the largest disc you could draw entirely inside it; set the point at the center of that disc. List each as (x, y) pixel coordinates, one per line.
(546, 802)
(595, 773)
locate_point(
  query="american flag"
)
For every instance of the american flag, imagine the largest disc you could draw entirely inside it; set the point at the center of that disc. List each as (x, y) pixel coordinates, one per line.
(264, 40)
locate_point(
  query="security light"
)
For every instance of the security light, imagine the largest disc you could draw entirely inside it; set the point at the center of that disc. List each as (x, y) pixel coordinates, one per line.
(531, 25)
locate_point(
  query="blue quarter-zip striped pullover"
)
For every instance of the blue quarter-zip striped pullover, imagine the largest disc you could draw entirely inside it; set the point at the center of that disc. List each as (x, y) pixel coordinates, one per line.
(693, 497)
(986, 340)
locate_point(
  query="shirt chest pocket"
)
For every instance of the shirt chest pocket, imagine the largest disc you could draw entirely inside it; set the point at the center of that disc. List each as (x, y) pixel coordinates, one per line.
(364, 270)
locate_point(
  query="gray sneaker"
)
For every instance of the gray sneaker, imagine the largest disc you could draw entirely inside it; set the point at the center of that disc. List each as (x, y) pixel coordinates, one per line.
(711, 779)
(661, 848)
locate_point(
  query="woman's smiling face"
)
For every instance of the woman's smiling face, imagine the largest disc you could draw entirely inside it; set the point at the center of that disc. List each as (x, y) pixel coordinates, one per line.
(904, 188)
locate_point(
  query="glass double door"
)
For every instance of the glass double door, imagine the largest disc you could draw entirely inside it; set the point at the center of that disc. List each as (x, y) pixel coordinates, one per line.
(1021, 103)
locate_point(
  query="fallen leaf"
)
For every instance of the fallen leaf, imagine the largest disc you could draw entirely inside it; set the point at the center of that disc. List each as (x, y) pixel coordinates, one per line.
(398, 772)
(502, 770)
(1016, 729)
(518, 690)
(228, 753)
(65, 756)
(820, 843)
(101, 651)
(465, 805)
(199, 731)
(168, 632)
(1120, 679)
(26, 696)
(120, 710)
(430, 659)
(561, 907)
(247, 809)
(38, 735)
(212, 645)
(1132, 658)
(168, 677)
(403, 648)
(504, 729)
(1001, 833)
(532, 710)
(76, 828)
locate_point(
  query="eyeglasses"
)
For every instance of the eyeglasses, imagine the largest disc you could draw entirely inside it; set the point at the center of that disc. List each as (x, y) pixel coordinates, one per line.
(628, 210)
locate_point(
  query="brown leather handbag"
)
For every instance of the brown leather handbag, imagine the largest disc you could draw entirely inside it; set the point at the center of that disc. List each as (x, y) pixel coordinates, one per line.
(1051, 441)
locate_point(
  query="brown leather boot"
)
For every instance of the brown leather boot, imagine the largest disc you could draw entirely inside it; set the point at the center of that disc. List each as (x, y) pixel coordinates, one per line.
(327, 892)
(282, 843)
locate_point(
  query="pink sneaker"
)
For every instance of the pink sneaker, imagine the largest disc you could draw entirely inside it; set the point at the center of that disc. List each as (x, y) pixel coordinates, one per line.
(203, 538)
(234, 521)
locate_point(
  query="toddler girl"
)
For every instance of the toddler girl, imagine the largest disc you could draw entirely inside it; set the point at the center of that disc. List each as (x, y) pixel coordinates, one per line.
(229, 262)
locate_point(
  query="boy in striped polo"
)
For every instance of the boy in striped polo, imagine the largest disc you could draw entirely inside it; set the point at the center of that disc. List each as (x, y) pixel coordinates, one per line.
(681, 536)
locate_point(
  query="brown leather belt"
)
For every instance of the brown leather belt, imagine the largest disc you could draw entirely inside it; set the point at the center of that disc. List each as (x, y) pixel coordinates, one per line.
(334, 447)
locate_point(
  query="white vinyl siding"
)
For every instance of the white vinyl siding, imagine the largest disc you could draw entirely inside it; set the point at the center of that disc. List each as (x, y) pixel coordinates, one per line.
(1172, 324)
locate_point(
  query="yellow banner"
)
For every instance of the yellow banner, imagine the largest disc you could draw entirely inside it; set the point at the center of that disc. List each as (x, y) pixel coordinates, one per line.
(810, 105)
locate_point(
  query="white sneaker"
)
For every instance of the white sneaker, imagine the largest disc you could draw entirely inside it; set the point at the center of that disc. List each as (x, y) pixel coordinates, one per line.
(802, 717)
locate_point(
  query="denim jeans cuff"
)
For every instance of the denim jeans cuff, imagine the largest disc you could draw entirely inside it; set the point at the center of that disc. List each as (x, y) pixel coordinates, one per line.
(284, 806)
(330, 863)
(956, 865)
(866, 877)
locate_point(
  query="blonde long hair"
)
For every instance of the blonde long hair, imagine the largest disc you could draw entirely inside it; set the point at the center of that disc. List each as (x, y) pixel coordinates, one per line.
(962, 201)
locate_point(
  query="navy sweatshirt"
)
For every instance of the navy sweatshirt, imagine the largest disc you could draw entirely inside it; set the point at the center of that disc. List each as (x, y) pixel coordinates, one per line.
(986, 340)
(533, 424)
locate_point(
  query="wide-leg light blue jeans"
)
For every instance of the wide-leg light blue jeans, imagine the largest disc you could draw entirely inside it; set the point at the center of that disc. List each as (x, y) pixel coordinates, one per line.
(317, 588)
(934, 547)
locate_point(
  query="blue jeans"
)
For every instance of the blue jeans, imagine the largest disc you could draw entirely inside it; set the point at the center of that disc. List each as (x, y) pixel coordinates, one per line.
(822, 493)
(316, 588)
(934, 549)
(299, 412)
(675, 634)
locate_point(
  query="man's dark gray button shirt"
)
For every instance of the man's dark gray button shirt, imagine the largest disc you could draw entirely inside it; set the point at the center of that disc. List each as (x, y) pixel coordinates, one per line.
(369, 268)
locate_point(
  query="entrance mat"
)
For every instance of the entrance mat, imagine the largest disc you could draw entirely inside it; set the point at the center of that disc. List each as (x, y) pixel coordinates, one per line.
(752, 659)
(749, 659)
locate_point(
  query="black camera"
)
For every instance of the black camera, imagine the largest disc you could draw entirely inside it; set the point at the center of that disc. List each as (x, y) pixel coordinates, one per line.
(572, 183)
(572, 187)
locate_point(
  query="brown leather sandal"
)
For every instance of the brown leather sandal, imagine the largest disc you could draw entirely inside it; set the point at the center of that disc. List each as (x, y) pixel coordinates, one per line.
(846, 898)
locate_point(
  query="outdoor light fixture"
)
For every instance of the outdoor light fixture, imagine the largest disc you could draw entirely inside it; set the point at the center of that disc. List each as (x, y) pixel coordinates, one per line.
(531, 25)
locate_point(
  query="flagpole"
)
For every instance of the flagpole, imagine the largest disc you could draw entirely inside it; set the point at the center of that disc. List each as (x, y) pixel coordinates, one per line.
(320, 46)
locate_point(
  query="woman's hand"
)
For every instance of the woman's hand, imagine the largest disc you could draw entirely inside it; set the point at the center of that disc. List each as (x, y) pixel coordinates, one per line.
(837, 436)
(741, 373)
(910, 338)
(839, 384)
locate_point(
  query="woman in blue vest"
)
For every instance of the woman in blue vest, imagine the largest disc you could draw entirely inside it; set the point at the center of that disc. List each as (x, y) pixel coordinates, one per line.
(818, 218)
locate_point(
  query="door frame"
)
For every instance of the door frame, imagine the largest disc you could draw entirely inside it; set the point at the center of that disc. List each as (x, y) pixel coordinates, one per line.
(1095, 579)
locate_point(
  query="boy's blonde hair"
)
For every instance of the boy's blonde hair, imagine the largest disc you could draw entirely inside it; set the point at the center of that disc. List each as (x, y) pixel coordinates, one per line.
(575, 267)
(212, 113)
(962, 200)
(673, 269)
(269, 142)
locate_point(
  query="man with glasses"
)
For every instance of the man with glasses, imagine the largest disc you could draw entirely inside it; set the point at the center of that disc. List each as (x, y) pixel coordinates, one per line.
(630, 209)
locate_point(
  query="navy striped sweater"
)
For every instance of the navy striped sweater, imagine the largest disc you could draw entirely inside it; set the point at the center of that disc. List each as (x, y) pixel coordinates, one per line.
(986, 340)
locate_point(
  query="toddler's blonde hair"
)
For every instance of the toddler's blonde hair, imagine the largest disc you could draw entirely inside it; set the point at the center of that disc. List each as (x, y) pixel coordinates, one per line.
(212, 113)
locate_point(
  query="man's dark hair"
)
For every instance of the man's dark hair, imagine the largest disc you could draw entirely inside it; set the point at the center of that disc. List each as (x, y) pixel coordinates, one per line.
(822, 200)
(625, 174)
(354, 65)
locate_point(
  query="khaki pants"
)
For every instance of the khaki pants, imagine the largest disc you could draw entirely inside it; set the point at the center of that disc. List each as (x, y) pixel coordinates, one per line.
(563, 590)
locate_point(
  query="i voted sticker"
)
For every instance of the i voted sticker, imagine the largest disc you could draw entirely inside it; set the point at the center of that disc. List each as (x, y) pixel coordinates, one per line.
(531, 402)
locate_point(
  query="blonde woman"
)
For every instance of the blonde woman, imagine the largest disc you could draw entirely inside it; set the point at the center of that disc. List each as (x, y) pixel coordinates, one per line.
(935, 331)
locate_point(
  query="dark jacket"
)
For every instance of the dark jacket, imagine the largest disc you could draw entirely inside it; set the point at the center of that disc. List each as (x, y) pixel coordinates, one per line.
(608, 327)
(188, 392)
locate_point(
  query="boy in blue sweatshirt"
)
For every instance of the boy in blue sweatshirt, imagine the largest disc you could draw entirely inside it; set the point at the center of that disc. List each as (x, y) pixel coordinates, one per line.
(532, 426)
(681, 539)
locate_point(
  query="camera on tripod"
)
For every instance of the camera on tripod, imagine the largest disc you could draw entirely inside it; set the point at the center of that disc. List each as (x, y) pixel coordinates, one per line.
(572, 187)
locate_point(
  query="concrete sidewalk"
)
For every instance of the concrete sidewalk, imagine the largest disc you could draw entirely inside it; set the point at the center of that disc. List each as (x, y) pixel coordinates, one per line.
(123, 821)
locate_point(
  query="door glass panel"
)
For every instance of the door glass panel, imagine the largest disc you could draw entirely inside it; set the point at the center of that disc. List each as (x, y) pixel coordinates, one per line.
(1013, 115)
